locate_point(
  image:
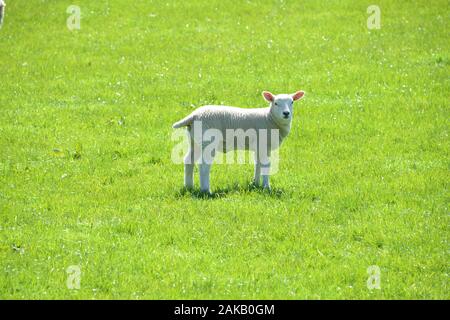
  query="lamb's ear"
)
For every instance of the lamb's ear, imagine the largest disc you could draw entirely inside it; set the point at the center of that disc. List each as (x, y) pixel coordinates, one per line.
(298, 95)
(268, 96)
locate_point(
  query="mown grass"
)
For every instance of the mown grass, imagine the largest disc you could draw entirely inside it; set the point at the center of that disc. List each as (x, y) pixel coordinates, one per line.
(85, 140)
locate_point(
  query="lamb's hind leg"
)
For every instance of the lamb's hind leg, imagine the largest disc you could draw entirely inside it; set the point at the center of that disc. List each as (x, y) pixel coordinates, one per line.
(204, 177)
(189, 162)
(205, 168)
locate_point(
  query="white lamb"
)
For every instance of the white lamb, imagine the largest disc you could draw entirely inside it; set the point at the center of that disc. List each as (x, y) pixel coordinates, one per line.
(211, 126)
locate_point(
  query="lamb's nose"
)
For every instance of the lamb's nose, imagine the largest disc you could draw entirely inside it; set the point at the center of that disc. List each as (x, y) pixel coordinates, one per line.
(286, 114)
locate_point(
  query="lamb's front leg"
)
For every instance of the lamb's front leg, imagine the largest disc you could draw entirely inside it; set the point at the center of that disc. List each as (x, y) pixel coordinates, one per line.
(265, 177)
(265, 171)
(257, 176)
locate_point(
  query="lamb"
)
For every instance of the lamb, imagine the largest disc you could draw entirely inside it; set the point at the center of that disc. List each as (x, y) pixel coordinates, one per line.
(222, 128)
(2, 11)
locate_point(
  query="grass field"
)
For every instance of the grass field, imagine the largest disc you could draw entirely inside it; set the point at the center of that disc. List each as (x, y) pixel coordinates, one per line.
(85, 138)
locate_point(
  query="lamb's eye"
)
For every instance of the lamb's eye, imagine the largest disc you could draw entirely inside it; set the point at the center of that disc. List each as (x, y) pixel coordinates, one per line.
(276, 104)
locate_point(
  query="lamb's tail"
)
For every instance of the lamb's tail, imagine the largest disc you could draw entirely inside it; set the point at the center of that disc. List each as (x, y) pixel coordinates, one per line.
(183, 122)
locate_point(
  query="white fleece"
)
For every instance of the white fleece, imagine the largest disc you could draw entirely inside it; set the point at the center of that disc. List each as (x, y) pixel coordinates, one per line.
(223, 117)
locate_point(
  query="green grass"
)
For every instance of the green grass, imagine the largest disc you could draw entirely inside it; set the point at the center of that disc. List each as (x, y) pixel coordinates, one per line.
(85, 138)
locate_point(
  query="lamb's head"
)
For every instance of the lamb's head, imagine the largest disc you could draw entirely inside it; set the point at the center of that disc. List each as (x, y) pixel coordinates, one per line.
(281, 105)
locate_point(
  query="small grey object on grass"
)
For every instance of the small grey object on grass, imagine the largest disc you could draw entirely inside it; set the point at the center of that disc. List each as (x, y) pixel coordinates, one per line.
(2, 11)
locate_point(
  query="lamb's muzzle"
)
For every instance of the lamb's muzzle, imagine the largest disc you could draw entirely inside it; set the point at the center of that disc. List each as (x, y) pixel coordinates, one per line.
(255, 128)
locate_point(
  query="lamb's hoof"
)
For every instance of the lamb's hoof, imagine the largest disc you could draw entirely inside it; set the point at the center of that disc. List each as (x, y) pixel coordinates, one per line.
(255, 184)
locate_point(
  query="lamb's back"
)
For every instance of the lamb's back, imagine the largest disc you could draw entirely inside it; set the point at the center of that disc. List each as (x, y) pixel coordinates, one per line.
(227, 117)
